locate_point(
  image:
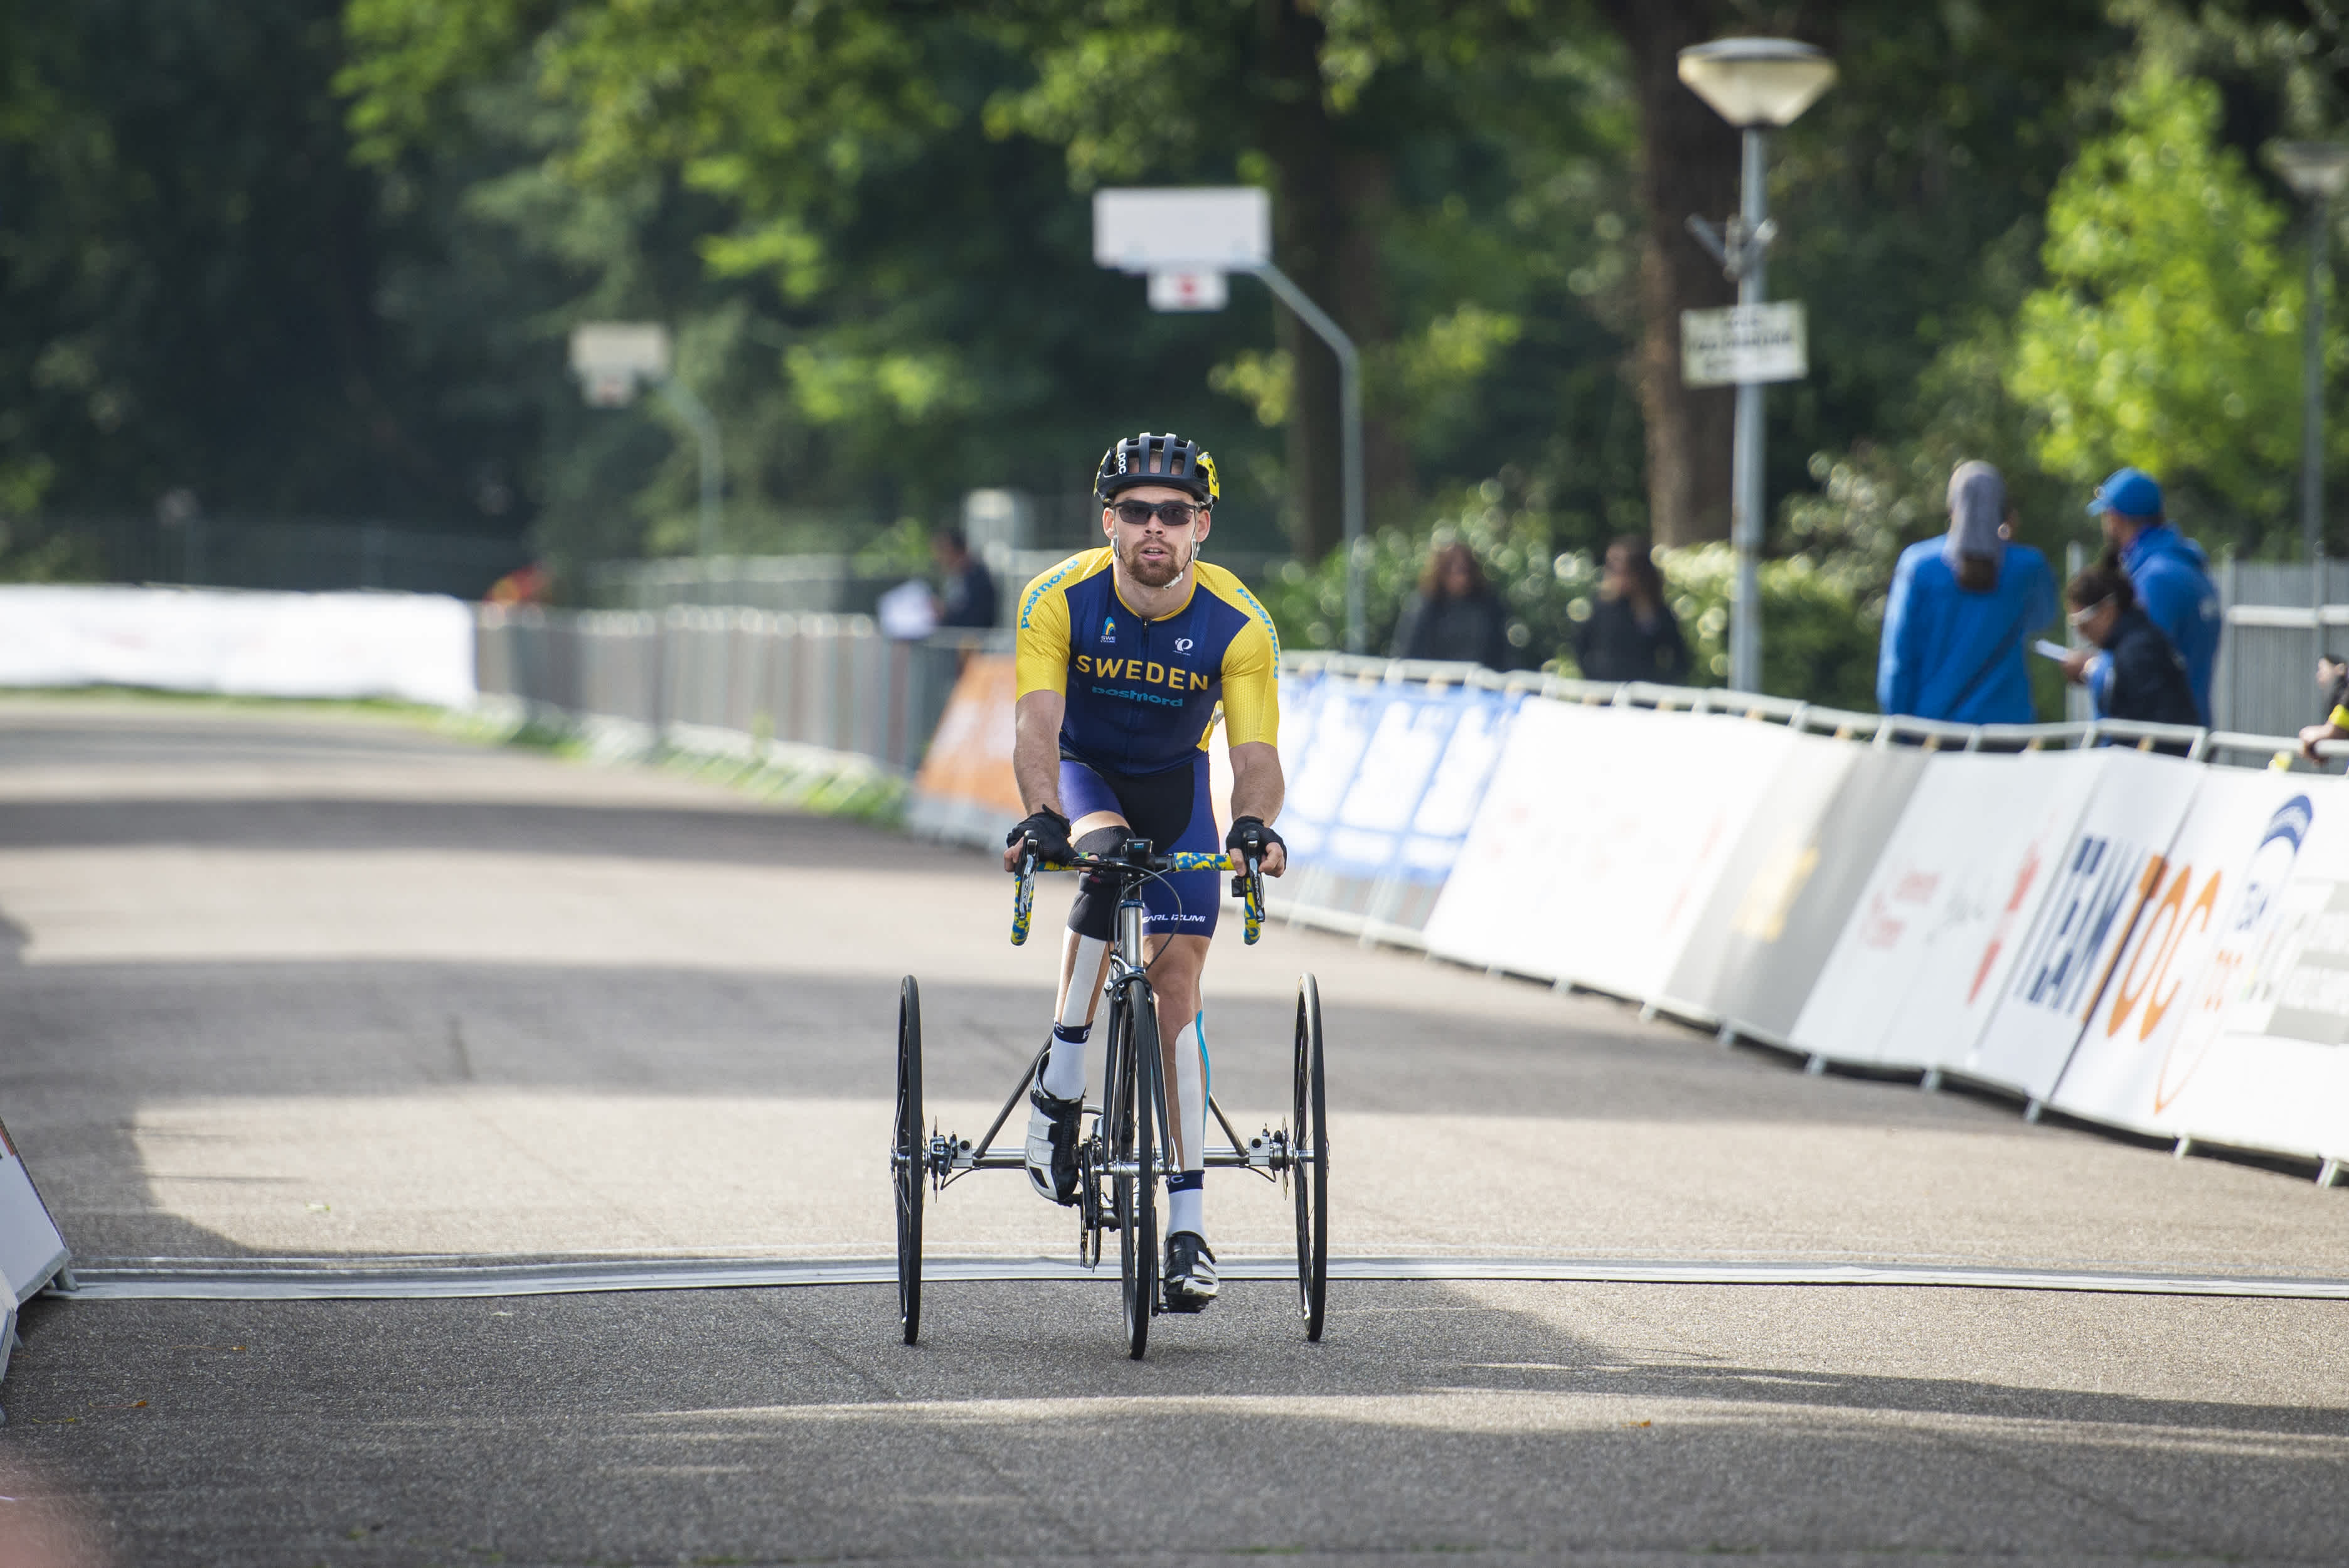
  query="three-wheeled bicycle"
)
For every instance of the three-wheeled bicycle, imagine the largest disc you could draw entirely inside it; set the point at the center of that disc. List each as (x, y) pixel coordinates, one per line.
(1128, 1148)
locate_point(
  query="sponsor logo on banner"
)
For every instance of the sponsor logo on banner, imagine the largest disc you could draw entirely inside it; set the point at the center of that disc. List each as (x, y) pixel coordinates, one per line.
(2239, 970)
(2017, 902)
(2054, 972)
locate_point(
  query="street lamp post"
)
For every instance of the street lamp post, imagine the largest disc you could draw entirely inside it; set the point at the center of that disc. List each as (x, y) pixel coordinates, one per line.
(2318, 172)
(1754, 84)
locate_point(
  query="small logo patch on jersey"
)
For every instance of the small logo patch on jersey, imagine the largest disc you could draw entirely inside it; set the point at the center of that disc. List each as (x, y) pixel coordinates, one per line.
(1182, 645)
(1108, 629)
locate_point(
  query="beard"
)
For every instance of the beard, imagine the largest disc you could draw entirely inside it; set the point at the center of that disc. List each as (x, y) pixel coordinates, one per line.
(1154, 573)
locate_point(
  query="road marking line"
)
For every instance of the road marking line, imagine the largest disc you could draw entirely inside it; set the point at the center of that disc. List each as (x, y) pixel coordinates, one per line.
(263, 1279)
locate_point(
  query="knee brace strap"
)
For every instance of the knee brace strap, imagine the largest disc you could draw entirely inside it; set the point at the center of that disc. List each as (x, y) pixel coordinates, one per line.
(1094, 912)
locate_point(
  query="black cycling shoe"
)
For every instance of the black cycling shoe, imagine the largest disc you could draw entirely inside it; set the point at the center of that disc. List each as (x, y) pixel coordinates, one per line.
(1191, 1282)
(1052, 1143)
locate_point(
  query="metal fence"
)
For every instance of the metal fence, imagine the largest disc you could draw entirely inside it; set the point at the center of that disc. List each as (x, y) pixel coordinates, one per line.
(2277, 623)
(729, 680)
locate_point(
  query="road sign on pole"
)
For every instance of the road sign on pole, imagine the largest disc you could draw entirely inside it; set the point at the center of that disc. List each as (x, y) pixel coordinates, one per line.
(611, 358)
(1207, 230)
(1744, 344)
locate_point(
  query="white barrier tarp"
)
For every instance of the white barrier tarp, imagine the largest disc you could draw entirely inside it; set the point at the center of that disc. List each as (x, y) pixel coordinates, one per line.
(1924, 954)
(1790, 881)
(2228, 1007)
(415, 648)
(1600, 838)
(2115, 858)
(31, 1250)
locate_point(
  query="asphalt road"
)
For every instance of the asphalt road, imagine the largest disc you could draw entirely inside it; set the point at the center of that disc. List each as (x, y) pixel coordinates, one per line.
(282, 985)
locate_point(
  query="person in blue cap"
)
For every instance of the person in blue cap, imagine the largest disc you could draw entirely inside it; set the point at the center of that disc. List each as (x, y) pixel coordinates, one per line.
(1962, 613)
(2171, 578)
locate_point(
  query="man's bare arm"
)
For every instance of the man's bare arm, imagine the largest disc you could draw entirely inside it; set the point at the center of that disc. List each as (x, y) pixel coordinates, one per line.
(1036, 750)
(1257, 791)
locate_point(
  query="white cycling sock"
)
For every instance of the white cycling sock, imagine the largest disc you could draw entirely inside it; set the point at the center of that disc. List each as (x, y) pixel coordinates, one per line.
(1186, 1211)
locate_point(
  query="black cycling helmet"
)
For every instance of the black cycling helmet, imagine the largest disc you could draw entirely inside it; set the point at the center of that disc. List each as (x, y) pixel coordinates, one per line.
(1147, 458)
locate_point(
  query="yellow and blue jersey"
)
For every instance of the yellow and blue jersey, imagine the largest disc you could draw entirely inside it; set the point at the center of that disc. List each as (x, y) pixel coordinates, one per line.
(1141, 695)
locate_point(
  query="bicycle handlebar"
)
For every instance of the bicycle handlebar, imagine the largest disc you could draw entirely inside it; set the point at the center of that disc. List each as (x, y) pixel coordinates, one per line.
(1247, 881)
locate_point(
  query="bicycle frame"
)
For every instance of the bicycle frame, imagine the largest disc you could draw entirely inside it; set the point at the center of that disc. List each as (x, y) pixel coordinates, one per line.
(1269, 1155)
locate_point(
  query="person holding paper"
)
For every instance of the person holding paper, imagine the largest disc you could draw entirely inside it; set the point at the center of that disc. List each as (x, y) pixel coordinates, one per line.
(1963, 611)
(2146, 679)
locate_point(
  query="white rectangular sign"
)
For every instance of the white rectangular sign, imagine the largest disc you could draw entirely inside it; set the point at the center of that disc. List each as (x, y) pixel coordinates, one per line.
(1743, 343)
(1203, 228)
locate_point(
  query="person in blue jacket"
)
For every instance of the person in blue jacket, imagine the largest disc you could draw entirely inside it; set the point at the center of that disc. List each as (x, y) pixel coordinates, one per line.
(2171, 578)
(1963, 611)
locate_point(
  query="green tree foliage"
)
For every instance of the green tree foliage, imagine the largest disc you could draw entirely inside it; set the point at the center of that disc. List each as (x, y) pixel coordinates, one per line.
(191, 265)
(2168, 335)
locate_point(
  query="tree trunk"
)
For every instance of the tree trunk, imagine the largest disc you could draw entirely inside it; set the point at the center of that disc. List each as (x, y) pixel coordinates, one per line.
(1687, 165)
(1326, 205)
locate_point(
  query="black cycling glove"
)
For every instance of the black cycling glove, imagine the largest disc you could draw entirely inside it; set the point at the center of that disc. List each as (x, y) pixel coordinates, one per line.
(1047, 831)
(1249, 836)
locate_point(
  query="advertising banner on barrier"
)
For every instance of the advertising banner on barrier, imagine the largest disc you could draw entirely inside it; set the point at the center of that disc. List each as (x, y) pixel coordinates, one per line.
(2115, 857)
(1600, 840)
(1333, 722)
(1790, 881)
(415, 648)
(1923, 955)
(2229, 1005)
(1447, 807)
(964, 785)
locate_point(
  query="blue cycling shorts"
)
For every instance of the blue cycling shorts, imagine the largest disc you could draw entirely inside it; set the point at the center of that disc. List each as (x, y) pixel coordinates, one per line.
(1172, 810)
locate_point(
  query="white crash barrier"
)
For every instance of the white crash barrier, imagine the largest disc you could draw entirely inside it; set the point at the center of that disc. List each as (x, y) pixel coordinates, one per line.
(2095, 892)
(1819, 830)
(1386, 779)
(415, 648)
(2228, 1007)
(2134, 938)
(32, 1253)
(1600, 841)
(1923, 957)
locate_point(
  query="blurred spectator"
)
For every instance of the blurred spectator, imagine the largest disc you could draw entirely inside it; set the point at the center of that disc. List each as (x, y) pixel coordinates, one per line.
(2170, 576)
(1962, 613)
(1455, 615)
(1632, 634)
(2333, 680)
(2141, 676)
(525, 585)
(969, 598)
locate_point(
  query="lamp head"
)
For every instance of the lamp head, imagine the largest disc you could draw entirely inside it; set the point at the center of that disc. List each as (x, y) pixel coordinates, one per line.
(2317, 171)
(1757, 81)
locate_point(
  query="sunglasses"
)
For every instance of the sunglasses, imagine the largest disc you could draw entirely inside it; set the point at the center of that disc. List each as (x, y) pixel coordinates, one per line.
(1174, 514)
(2080, 617)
